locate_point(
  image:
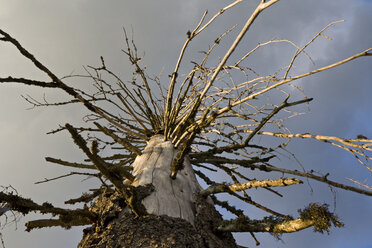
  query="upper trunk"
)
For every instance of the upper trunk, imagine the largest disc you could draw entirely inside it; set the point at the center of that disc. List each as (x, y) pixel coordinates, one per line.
(177, 216)
(170, 197)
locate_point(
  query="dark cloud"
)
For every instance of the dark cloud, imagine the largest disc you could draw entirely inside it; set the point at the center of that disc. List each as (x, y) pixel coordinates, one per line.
(68, 34)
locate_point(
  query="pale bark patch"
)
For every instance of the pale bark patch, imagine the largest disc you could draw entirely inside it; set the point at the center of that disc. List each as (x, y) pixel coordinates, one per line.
(170, 197)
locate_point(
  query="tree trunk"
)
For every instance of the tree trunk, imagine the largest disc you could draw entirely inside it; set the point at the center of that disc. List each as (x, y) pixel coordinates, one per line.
(177, 216)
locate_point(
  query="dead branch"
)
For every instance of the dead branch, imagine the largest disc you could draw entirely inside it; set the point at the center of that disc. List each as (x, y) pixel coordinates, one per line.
(285, 81)
(267, 168)
(67, 216)
(65, 222)
(315, 215)
(85, 197)
(220, 188)
(69, 164)
(126, 190)
(119, 140)
(69, 174)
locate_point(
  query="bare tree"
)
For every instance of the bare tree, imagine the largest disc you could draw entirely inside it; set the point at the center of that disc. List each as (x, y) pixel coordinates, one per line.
(204, 124)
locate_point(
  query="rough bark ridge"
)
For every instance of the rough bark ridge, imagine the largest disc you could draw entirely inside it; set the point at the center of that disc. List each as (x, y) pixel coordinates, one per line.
(177, 217)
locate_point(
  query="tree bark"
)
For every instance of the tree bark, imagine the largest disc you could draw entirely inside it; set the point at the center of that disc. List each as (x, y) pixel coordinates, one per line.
(177, 215)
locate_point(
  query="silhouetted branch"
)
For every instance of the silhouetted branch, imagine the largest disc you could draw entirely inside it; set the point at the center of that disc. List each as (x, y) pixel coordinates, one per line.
(67, 217)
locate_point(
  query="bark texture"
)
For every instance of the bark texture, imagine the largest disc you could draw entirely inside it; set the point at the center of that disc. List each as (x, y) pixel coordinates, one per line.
(178, 215)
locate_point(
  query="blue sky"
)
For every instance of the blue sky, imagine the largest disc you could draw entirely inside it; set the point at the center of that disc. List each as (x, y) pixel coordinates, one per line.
(65, 35)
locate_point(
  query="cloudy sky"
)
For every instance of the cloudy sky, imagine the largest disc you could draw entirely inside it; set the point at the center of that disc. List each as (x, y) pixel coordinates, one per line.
(65, 35)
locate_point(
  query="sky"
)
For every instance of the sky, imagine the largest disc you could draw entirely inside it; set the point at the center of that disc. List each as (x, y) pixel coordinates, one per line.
(66, 35)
